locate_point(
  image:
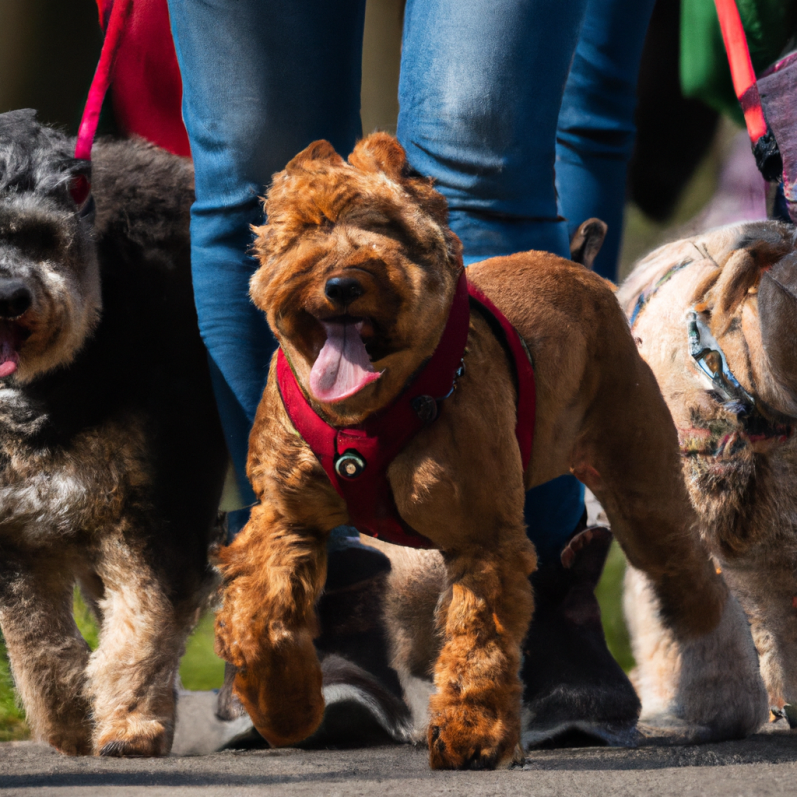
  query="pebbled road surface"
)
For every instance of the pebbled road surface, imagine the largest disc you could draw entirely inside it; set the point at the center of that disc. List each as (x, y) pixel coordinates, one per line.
(765, 764)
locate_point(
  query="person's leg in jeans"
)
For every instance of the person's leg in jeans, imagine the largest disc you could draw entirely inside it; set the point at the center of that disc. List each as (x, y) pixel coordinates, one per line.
(480, 96)
(261, 80)
(595, 137)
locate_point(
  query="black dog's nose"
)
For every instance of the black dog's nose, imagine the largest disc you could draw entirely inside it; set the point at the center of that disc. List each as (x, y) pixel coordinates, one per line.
(342, 291)
(15, 298)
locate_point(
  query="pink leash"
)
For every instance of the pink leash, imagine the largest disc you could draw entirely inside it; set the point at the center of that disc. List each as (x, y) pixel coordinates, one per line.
(120, 10)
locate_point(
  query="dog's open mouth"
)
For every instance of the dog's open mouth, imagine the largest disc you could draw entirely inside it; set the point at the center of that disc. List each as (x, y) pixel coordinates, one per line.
(343, 366)
(12, 336)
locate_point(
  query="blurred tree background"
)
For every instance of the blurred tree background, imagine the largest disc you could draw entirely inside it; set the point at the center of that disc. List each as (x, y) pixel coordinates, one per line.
(48, 53)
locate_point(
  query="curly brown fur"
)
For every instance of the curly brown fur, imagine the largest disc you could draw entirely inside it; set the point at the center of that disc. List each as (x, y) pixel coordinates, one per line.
(460, 481)
(111, 457)
(740, 469)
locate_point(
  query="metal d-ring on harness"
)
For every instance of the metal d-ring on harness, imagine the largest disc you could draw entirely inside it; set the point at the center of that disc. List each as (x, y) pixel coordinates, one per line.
(426, 407)
(710, 360)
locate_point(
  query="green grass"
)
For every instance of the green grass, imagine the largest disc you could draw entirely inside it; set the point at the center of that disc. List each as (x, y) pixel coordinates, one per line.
(201, 668)
(85, 621)
(12, 717)
(610, 597)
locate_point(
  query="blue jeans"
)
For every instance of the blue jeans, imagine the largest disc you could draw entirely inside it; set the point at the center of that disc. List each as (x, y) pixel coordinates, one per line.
(499, 99)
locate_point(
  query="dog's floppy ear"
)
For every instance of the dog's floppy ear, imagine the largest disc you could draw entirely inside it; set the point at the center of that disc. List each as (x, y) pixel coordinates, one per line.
(777, 308)
(380, 152)
(757, 248)
(320, 150)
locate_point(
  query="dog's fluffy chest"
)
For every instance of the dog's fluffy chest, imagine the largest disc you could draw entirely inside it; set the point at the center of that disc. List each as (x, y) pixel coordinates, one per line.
(50, 491)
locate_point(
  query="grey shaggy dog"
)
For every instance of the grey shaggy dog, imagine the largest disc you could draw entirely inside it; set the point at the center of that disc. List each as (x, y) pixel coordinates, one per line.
(111, 454)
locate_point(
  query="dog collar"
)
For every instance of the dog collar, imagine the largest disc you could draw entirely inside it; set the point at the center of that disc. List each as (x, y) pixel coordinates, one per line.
(709, 359)
(356, 458)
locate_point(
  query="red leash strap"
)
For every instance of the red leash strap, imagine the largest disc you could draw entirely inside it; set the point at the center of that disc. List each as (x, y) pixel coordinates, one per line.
(765, 147)
(119, 13)
(744, 81)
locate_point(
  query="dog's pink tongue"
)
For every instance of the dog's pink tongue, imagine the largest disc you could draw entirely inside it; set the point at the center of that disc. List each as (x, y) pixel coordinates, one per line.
(343, 366)
(9, 356)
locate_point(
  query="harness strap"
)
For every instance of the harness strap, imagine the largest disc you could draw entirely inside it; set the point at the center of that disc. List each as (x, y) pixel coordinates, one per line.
(520, 357)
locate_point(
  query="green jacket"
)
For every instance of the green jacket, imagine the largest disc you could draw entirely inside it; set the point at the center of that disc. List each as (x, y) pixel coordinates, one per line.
(770, 26)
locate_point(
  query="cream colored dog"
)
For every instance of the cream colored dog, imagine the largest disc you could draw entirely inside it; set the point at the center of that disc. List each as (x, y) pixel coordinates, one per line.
(715, 317)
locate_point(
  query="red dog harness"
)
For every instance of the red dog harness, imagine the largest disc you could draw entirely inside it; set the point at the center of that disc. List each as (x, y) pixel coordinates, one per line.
(356, 459)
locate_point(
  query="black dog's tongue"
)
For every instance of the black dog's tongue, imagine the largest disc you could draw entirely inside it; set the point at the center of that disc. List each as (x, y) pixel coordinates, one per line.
(9, 350)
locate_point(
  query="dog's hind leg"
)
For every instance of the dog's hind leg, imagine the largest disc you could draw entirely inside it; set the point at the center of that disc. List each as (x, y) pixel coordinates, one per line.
(630, 461)
(274, 573)
(47, 653)
(133, 671)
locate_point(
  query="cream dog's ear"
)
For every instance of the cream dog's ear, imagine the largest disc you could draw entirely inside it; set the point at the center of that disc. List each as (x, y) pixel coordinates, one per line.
(777, 308)
(320, 150)
(380, 152)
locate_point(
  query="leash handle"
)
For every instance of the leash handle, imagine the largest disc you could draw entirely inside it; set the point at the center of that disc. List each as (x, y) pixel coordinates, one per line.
(120, 10)
(765, 148)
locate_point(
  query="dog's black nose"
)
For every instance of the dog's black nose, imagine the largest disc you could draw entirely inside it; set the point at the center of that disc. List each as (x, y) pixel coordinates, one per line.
(15, 298)
(342, 291)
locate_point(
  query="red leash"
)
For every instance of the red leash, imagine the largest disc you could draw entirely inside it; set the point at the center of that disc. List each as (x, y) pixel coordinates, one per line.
(117, 19)
(765, 147)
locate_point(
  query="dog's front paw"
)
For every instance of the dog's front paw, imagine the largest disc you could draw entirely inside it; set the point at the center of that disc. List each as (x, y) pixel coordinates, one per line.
(470, 736)
(71, 743)
(134, 737)
(720, 687)
(281, 690)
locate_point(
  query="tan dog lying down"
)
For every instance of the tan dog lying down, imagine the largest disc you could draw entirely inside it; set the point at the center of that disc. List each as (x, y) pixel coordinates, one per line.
(717, 323)
(460, 481)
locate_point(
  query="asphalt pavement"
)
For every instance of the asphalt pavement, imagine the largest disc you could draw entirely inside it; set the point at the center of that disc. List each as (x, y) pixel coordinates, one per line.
(765, 764)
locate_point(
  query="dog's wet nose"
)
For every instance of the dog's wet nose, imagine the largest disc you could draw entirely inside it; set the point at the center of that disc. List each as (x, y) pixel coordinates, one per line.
(15, 298)
(342, 291)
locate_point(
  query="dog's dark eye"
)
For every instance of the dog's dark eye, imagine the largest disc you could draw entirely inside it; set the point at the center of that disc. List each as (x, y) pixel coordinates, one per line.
(39, 239)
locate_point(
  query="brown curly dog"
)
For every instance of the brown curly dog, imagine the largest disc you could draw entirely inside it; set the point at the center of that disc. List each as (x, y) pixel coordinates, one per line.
(460, 482)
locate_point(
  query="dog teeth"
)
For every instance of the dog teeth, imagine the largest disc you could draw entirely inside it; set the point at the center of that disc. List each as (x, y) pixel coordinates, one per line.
(359, 326)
